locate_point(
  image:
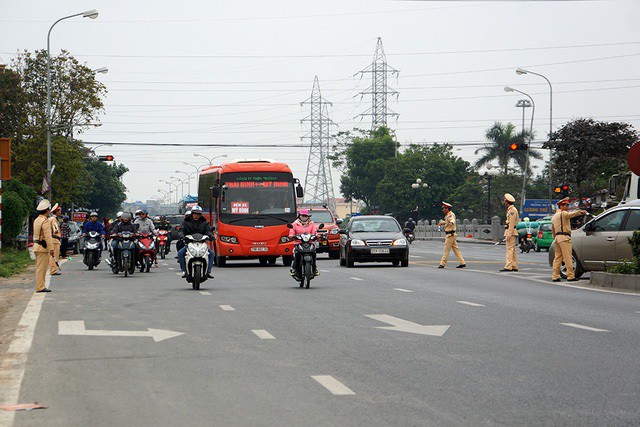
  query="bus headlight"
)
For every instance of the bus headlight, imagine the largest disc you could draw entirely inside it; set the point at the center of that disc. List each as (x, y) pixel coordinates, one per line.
(284, 239)
(229, 239)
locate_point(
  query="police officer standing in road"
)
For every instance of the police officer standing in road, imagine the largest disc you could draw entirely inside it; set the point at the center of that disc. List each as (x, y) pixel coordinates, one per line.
(510, 233)
(450, 242)
(42, 244)
(561, 230)
(54, 267)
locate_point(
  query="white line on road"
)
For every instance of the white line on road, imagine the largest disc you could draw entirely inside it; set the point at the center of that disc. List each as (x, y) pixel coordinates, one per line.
(402, 290)
(473, 304)
(414, 256)
(357, 278)
(165, 264)
(205, 293)
(325, 271)
(586, 328)
(333, 385)
(179, 274)
(263, 334)
(227, 308)
(171, 268)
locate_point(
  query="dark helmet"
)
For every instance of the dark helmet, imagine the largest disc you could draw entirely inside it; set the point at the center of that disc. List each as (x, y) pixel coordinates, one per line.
(410, 219)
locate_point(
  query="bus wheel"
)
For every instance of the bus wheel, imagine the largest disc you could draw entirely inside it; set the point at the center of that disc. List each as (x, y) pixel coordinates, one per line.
(221, 261)
(287, 260)
(272, 260)
(263, 261)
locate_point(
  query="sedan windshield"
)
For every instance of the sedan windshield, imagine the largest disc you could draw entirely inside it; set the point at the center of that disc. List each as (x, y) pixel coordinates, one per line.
(375, 225)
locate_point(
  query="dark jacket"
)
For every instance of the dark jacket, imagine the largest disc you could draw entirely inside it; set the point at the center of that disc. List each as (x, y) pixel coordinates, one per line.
(93, 226)
(124, 226)
(410, 225)
(190, 226)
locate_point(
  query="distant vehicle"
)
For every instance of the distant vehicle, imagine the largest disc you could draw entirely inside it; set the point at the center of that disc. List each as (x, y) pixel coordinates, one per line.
(604, 240)
(373, 238)
(175, 221)
(328, 236)
(542, 237)
(75, 235)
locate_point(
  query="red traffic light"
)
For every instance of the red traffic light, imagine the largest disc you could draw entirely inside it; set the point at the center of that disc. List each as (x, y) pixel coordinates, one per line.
(105, 158)
(565, 187)
(513, 146)
(518, 146)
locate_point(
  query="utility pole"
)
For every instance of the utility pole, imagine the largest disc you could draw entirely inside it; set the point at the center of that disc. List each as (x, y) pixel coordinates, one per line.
(318, 182)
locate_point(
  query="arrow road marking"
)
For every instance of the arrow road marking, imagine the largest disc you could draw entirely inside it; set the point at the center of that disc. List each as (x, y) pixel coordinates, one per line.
(356, 278)
(586, 328)
(227, 308)
(402, 290)
(76, 327)
(472, 304)
(406, 326)
(333, 385)
(263, 334)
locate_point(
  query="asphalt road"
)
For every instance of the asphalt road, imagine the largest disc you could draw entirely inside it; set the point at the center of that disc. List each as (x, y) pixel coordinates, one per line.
(516, 350)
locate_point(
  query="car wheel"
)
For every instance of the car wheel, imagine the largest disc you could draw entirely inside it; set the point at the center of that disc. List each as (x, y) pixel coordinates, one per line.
(343, 262)
(405, 262)
(578, 271)
(348, 259)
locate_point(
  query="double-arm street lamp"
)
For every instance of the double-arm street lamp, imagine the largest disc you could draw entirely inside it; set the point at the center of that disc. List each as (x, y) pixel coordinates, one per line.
(210, 160)
(93, 14)
(489, 174)
(181, 181)
(188, 180)
(170, 183)
(417, 186)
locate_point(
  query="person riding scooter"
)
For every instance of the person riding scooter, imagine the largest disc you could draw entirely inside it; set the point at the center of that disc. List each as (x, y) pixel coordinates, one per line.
(125, 224)
(194, 224)
(302, 225)
(94, 225)
(145, 226)
(410, 224)
(164, 224)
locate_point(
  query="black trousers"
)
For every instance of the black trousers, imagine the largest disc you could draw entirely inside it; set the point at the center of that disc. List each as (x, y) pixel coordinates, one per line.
(64, 243)
(297, 262)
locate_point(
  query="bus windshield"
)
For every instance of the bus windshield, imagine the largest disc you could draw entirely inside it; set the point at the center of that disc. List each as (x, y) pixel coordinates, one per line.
(246, 195)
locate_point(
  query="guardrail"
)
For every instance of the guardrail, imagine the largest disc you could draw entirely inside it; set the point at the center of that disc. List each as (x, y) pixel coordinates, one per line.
(465, 228)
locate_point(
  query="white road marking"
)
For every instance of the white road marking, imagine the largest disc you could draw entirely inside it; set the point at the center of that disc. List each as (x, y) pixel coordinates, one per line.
(406, 326)
(77, 327)
(171, 268)
(227, 308)
(414, 256)
(473, 304)
(263, 334)
(586, 328)
(179, 274)
(205, 293)
(325, 271)
(357, 278)
(165, 264)
(333, 385)
(402, 290)
(637, 311)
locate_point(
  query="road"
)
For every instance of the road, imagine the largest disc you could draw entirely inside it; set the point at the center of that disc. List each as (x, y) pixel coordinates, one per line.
(254, 349)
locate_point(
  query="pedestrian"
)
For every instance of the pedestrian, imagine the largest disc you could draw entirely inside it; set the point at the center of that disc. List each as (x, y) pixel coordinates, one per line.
(450, 242)
(42, 244)
(510, 233)
(65, 233)
(54, 267)
(561, 230)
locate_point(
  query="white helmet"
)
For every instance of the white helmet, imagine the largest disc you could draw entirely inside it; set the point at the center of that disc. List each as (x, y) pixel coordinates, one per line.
(138, 212)
(196, 209)
(119, 214)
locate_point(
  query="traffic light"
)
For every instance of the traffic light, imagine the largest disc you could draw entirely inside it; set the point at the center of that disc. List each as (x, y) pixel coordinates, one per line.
(565, 190)
(105, 158)
(518, 146)
(557, 190)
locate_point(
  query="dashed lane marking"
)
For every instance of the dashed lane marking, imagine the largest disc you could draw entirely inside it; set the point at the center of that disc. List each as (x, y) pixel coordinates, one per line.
(472, 304)
(414, 256)
(333, 385)
(357, 278)
(227, 307)
(586, 328)
(165, 264)
(402, 290)
(263, 334)
(205, 293)
(324, 271)
(171, 268)
(179, 274)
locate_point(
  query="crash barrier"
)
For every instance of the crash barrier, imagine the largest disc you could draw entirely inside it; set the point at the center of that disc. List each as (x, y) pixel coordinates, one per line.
(465, 228)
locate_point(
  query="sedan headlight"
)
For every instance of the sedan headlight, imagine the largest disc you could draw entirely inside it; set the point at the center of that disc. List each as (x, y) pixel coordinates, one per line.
(229, 239)
(400, 242)
(334, 231)
(357, 242)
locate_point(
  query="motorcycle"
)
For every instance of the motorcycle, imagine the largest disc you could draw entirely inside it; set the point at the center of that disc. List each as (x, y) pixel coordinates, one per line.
(306, 247)
(408, 234)
(197, 259)
(92, 249)
(526, 242)
(126, 254)
(146, 252)
(162, 243)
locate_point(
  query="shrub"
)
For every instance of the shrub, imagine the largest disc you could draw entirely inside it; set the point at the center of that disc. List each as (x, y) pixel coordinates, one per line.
(14, 211)
(624, 267)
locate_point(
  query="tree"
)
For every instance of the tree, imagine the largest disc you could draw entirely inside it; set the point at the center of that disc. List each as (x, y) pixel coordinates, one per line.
(12, 104)
(587, 152)
(17, 200)
(104, 190)
(502, 137)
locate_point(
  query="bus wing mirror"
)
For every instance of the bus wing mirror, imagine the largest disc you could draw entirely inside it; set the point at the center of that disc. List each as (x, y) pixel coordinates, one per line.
(215, 192)
(299, 192)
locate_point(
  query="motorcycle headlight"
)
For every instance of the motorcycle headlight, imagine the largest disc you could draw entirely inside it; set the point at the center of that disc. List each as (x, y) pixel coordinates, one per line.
(357, 242)
(141, 245)
(334, 231)
(306, 237)
(229, 239)
(152, 245)
(92, 246)
(400, 242)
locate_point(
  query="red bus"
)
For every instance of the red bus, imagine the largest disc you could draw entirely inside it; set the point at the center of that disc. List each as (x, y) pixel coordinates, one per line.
(250, 203)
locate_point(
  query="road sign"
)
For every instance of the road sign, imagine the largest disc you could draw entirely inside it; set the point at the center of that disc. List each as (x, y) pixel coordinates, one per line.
(406, 326)
(536, 208)
(5, 157)
(78, 216)
(633, 158)
(76, 327)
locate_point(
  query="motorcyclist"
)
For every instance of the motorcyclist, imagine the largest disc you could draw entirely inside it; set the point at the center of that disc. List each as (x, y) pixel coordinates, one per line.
(180, 241)
(410, 224)
(125, 224)
(194, 224)
(302, 225)
(94, 225)
(164, 224)
(145, 225)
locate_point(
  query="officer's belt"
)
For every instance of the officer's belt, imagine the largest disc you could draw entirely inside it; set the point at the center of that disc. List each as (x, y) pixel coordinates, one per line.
(452, 232)
(563, 233)
(42, 243)
(56, 237)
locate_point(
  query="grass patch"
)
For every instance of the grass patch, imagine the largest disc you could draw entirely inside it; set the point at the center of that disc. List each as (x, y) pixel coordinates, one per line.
(14, 262)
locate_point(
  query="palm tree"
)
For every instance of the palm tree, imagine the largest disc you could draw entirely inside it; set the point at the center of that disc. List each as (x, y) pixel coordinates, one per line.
(502, 137)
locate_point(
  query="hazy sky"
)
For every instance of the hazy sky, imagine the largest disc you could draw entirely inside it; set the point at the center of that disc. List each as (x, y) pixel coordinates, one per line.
(235, 72)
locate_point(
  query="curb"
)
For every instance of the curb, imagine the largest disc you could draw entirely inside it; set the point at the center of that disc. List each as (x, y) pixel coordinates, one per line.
(602, 279)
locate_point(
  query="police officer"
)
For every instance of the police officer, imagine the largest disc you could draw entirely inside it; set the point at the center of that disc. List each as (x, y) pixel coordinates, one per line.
(450, 242)
(510, 233)
(561, 230)
(42, 244)
(54, 267)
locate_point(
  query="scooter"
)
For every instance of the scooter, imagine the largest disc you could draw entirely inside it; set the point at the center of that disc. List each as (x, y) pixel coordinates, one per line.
(126, 254)
(408, 234)
(92, 250)
(146, 252)
(162, 243)
(526, 243)
(197, 259)
(306, 247)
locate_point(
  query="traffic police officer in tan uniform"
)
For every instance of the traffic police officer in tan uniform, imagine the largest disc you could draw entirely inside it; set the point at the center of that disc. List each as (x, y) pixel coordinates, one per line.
(54, 268)
(450, 243)
(561, 230)
(42, 244)
(510, 233)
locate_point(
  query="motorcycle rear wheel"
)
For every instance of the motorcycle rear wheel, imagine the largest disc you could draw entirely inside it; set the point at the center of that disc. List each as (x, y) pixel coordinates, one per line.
(197, 277)
(148, 263)
(90, 261)
(125, 263)
(162, 254)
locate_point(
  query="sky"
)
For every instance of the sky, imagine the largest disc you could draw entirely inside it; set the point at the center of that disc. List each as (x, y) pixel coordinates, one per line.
(235, 73)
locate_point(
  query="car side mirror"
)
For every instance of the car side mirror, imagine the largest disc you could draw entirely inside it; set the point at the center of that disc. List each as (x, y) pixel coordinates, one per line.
(588, 227)
(342, 232)
(339, 221)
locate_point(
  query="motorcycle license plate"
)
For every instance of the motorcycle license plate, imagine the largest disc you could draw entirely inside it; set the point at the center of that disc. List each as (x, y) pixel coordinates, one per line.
(259, 249)
(380, 251)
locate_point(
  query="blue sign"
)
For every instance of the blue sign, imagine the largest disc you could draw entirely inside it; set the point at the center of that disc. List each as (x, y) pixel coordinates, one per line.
(536, 208)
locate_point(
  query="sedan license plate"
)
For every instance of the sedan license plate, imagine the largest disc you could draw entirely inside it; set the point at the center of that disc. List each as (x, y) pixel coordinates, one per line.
(380, 251)
(259, 249)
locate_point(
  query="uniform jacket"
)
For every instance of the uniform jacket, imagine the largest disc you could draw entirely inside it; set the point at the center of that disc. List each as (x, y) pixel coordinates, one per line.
(145, 225)
(450, 222)
(300, 228)
(55, 229)
(561, 222)
(191, 226)
(513, 218)
(42, 231)
(93, 226)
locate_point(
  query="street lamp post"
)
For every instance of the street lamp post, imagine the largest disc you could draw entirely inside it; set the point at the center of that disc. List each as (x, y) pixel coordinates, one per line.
(181, 181)
(93, 14)
(197, 170)
(521, 71)
(416, 186)
(188, 180)
(210, 160)
(489, 174)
